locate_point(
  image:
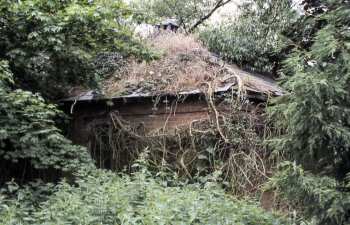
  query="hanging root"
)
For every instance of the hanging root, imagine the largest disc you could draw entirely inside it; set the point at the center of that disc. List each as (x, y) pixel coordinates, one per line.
(231, 143)
(216, 114)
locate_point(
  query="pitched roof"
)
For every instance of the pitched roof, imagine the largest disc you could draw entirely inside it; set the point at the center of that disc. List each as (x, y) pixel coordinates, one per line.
(186, 68)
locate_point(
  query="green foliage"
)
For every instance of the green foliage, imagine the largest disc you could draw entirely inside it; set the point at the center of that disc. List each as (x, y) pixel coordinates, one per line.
(313, 119)
(101, 197)
(6, 78)
(186, 12)
(50, 45)
(322, 201)
(253, 39)
(315, 112)
(27, 130)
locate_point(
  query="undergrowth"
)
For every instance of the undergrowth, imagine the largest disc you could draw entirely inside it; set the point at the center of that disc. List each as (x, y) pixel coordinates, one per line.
(320, 199)
(101, 197)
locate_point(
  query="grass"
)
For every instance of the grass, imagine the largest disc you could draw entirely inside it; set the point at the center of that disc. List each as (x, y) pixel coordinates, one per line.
(185, 65)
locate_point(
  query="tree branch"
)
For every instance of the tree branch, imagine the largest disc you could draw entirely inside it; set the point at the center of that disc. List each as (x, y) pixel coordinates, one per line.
(218, 4)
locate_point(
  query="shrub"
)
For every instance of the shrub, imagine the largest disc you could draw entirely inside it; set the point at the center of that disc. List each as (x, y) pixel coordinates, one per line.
(51, 45)
(318, 198)
(315, 112)
(102, 197)
(253, 39)
(28, 132)
(313, 118)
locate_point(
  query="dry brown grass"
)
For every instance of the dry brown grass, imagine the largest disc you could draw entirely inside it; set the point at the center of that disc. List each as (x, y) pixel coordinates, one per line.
(176, 43)
(184, 65)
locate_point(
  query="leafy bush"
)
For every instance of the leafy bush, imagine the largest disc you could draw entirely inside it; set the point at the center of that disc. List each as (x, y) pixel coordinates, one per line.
(253, 39)
(315, 113)
(319, 198)
(313, 119)
(104, 198)
(51, 45)
(27, 130)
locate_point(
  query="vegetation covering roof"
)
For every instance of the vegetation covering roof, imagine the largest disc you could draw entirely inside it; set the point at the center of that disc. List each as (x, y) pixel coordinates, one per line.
(185, 67)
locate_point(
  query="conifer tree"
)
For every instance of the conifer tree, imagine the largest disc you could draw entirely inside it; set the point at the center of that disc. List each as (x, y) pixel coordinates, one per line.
(315, 116)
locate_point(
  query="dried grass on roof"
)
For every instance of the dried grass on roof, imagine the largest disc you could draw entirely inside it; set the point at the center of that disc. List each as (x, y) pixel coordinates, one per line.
(184, 66)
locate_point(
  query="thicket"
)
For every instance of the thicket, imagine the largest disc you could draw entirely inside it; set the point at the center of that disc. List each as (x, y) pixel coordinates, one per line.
(253, 39)
(314, 117)
(100, 197)
(47, 48)
(51, 45)
(28, 135)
